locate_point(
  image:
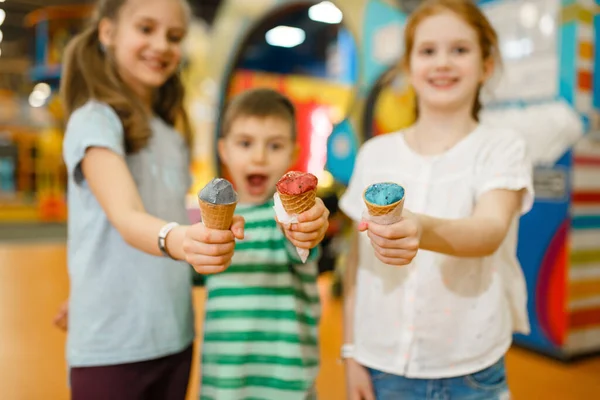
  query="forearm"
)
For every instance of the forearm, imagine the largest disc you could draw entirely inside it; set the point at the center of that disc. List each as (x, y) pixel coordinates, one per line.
(140, 230)
(465, 237)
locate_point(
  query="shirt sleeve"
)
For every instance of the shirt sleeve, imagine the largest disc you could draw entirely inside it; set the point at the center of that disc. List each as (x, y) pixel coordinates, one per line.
(508, 166)
(93, 125)
(351, 202)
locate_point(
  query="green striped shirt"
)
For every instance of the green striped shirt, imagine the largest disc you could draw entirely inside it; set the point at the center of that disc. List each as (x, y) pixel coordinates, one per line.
(262, 315)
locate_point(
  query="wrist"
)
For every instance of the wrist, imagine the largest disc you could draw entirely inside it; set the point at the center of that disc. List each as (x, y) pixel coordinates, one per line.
(347, 351)
(174, 242)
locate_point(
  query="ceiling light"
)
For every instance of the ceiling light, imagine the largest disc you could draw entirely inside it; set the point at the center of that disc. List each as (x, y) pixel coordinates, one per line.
(285, 36)
(325, 12)
(2, 16)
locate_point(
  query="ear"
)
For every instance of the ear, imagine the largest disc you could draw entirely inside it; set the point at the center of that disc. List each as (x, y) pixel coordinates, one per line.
(295, 154)
(106, 32)
(489, 67)
(221, 150)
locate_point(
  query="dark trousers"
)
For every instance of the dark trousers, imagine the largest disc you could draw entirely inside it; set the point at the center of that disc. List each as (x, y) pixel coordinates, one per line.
(164, 378)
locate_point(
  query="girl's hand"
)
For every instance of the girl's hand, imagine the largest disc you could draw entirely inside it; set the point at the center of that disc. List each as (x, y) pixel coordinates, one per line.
(395, 244)
(311, 227)
(210, 251)
(358, 382)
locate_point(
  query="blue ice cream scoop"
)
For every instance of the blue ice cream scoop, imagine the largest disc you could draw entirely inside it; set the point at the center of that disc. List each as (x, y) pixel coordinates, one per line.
(384, 194)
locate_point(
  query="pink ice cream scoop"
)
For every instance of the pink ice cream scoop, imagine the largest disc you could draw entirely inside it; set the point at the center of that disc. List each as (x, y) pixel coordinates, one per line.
(295, 183)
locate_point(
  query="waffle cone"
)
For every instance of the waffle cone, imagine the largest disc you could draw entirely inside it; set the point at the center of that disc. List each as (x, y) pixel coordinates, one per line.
(217, 216)
(298, 203)
(376, 210)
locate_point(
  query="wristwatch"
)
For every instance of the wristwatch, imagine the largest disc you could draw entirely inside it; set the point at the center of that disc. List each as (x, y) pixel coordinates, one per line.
(347, 351)
(162, 238)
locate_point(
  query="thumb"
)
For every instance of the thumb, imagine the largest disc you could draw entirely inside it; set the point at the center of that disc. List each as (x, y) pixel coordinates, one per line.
(363, 226)
(237, 227)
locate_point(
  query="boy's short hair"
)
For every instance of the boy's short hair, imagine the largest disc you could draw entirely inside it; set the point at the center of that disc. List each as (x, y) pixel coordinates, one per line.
(260, 103)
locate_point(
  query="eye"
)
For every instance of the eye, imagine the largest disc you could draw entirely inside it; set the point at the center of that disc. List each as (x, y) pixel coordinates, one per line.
(275, 146)
(244, 143)
(427, 51)
(460, 50)
(175, 38)
(145, 29)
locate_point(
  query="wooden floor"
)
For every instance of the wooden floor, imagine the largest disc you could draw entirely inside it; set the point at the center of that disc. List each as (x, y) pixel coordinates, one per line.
(33, 283)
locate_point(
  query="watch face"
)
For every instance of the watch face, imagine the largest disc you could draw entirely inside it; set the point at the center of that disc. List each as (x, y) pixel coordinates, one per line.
(408, 6)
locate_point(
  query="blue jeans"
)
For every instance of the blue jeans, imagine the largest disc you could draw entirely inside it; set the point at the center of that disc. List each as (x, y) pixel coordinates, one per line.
(487, 384)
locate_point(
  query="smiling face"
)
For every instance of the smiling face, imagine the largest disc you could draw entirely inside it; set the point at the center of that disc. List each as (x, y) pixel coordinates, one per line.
(446, 64)
(146, 42)
(257, 151)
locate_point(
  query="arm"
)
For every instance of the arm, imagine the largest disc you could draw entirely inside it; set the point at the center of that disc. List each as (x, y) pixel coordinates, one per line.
(358, 380)
(349, 284)
(480, 234)
(113, 186)
(207, 250)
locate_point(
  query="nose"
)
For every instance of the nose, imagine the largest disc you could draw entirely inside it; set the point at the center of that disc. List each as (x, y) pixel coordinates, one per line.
(259, 154)
(442, 59)
(161, 43)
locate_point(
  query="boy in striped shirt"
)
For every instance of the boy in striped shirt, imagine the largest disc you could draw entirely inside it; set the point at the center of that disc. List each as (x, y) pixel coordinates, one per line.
(262, 313)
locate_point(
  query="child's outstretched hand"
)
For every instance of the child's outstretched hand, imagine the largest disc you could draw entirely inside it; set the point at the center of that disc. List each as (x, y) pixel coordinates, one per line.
(311, 227)
(395, 244)
(210, 251)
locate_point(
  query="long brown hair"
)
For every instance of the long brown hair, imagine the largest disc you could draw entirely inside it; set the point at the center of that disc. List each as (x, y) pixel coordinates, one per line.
(472, 15)
(89, 72)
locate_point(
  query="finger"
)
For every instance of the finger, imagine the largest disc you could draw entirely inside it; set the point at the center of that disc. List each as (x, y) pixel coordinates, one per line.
(200, 233)
(207, 249)
(392, 261)
(308, 227)
(367, 393)
(238, 227)
(363, 226)
(316, 212)
(203, 260)
(302, 245)
(302, 237)
(408, 243)
(399, 230)
(394, 253)
(210, 269)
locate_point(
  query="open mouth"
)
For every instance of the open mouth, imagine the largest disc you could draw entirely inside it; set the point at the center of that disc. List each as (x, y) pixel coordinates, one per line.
(257, 184)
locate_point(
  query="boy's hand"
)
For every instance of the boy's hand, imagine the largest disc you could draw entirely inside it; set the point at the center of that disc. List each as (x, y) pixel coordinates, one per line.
(210, 251)
(311, 227)
(61, 319)
(395, 244)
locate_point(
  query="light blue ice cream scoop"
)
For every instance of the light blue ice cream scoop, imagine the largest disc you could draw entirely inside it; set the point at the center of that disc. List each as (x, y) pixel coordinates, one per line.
(384, 194)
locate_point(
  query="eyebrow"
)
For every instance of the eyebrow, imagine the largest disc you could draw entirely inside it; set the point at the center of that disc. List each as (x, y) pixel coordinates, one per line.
(242, 135)
(146, 19)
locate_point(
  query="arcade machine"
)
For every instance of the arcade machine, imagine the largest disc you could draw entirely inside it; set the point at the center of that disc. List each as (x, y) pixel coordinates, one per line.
(37, 191)
(547, 92)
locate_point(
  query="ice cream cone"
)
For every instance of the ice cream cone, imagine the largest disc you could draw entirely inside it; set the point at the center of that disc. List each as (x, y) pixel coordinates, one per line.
(298, 203)
(376, 210)
(217, 216)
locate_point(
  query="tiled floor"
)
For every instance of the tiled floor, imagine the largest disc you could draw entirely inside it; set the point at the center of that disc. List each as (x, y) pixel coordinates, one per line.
(33, 283)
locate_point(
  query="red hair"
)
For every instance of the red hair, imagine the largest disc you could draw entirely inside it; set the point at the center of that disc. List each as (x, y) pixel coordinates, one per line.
(472, 15)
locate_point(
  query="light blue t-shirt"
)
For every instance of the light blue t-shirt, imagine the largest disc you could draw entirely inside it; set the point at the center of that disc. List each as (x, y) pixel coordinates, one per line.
(125, 305)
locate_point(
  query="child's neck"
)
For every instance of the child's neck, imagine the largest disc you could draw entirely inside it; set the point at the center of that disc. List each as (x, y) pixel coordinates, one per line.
(435, 132)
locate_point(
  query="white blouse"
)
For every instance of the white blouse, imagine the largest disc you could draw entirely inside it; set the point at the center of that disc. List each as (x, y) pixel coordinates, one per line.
(440, 316)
